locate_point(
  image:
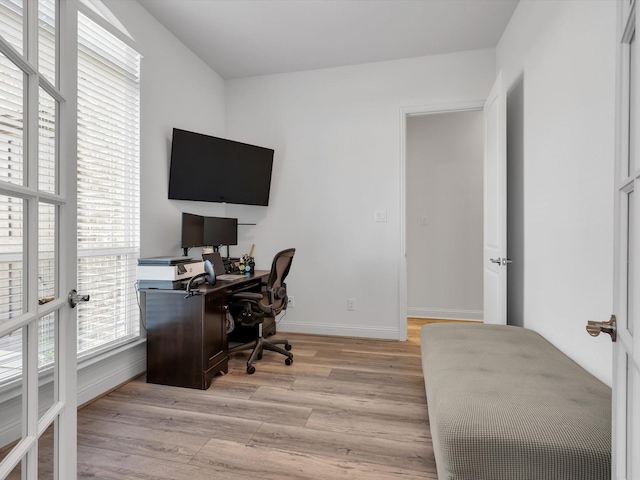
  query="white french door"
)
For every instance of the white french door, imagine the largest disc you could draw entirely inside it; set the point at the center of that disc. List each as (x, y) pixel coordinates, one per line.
(626, 332)
(495, 205)
(37, 238)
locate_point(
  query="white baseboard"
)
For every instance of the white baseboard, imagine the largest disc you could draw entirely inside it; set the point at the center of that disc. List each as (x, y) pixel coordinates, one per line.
(445, 314)
(104, 374)
(383, 333)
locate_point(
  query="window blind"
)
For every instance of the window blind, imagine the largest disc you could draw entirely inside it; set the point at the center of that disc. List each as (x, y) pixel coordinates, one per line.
(12, 124)
(108, 188)
(12, 24)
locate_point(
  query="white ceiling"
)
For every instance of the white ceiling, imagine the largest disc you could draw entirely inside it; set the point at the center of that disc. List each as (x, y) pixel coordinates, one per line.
(244, 38)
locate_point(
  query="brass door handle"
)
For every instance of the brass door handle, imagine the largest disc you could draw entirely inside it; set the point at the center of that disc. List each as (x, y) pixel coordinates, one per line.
(594, 328)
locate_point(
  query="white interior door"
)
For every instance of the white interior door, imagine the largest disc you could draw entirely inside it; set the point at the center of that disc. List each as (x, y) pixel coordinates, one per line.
(37, 239)
(626, 349)
(495, 206)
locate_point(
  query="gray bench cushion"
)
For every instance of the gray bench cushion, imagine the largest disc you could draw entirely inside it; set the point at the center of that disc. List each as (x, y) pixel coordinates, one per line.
(504, 403)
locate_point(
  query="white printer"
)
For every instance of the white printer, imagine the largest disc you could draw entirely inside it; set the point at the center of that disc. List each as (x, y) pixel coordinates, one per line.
(166, 272)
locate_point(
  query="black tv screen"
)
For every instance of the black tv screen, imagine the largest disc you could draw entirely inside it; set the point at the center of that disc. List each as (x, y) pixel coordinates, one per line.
(212, 169)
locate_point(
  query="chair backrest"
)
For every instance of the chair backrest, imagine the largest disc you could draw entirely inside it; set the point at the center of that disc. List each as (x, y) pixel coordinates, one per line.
(276, 287)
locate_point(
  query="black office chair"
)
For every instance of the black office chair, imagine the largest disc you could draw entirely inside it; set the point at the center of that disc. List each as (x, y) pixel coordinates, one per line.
(251, 309)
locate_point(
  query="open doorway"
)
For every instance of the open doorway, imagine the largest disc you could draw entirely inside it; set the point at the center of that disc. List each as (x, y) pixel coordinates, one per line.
(444, 215)
(514, 222)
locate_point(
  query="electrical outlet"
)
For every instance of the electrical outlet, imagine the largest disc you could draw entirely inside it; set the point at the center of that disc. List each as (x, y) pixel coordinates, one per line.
(351, 304)
(292, 301)
(380, 216)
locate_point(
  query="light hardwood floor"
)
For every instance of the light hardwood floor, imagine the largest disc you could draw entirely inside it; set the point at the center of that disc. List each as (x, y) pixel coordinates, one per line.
(346, 408)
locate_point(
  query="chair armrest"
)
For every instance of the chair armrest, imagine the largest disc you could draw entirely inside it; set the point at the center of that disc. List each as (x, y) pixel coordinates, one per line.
(247, 296)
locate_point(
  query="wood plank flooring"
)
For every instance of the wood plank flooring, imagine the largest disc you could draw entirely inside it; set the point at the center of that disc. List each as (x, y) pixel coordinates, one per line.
(347, 408)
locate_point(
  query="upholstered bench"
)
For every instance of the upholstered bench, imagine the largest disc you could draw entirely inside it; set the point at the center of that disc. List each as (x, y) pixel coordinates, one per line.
(505, 404)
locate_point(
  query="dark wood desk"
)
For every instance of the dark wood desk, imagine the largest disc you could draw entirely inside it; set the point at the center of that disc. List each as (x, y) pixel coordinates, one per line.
(187, 337)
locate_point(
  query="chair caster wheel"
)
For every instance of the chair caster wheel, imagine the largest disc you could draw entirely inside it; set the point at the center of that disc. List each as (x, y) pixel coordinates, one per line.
(287, 347)
(288, 361)
(251, 370)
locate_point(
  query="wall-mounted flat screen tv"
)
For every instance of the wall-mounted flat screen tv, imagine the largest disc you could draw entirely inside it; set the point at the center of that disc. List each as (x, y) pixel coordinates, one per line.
(212, 169)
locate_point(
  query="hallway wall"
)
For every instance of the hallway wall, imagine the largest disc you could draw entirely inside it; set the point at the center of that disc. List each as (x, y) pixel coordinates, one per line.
(444, 215)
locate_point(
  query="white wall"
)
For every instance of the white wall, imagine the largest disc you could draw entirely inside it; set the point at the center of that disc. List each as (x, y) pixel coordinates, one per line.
(444, 219)
(177, 90)
(337, 137)
(566, 54)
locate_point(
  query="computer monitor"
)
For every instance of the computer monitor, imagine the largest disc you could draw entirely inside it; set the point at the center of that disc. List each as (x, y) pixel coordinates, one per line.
(220, 231)
(192, 231)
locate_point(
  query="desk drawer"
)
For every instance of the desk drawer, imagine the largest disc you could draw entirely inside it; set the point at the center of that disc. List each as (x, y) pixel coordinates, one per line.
(215, 358)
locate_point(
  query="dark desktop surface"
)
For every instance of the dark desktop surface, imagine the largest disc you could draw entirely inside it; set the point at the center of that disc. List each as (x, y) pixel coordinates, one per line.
(237, 282)
(204, 288)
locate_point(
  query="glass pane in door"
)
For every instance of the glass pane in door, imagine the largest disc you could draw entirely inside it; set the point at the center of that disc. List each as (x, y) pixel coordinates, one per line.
(11, 122)
(47, 168)
(47, 390)
(629, 434)
(632, 104)
(11, 257)
(12, 25)
(47, 39)
(631, 211)
(47, 279)
(46, 454)
(12, 383)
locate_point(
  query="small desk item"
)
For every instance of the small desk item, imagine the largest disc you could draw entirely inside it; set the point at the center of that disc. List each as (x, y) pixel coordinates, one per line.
(216, 261)
(187, 337)
(218, 266)
(231, 277)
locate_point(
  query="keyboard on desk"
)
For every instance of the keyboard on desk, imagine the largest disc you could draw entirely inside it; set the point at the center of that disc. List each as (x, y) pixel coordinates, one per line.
(230, 276)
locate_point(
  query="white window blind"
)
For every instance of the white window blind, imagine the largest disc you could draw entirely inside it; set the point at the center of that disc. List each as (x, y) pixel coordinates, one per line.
(11, 208)
(108, 188)
(12, 25)
(12, 124)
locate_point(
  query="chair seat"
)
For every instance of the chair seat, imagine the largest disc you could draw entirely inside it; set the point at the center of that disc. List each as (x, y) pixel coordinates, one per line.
(247, 295)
